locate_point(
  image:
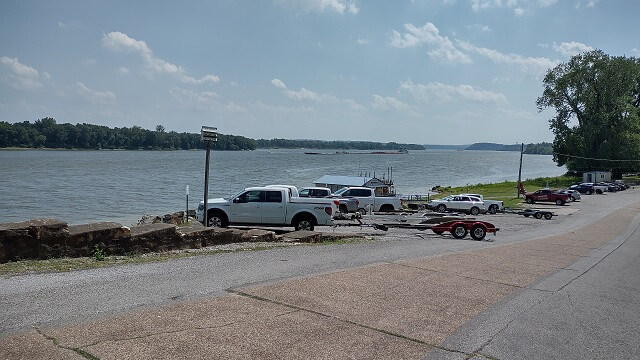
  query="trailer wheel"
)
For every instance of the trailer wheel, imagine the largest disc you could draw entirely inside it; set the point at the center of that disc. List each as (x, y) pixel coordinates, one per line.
(548, 216)
(538, 215)
(478, 232)
(459, 231)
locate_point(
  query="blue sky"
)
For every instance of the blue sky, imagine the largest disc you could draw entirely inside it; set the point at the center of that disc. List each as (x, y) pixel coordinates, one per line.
(411, 71)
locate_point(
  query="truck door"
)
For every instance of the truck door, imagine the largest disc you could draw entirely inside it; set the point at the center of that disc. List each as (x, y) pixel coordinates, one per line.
(246, 208)
(273, 207)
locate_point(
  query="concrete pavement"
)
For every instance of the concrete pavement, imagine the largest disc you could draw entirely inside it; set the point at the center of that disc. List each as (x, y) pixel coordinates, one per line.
(408, 309)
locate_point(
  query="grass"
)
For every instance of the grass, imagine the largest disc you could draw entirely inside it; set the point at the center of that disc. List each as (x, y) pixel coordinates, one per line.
(506, 191)
(103, 261)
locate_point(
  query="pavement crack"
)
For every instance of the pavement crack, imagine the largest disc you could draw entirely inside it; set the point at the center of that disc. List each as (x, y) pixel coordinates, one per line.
(350, 322)
(85, 354)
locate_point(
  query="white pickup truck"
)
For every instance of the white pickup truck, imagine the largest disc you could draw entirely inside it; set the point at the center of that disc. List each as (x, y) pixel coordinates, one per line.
(269, 206)
(369, 200)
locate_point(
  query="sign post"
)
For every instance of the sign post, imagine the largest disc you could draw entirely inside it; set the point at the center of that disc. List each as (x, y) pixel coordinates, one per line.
(207, 134)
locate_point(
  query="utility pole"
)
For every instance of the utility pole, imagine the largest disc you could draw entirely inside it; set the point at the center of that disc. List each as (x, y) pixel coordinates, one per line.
(520, 171)
(207, 134)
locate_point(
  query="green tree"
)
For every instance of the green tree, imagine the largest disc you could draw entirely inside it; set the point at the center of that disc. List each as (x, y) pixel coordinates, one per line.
(597, 120)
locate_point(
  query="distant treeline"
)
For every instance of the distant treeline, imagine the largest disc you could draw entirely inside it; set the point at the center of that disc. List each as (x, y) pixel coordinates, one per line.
(346, 145)
(46, 133)
(543, 148)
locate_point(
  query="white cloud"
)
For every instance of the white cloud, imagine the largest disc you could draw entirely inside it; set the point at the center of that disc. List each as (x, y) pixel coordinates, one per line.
(571, 48)
(441, 93)
(480, 27)
(20, 76)
(388, 103)
(363, 41)
(304, 94)
(338, 6)
(429, 34)
(535, 66)
(519, 11)
(278, 83)
(353, 104)
(546, 3)
(97, 97)
(118, 41)
(123, 70)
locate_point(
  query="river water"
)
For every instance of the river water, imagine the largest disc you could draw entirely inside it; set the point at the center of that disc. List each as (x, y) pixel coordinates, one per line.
(90, 186)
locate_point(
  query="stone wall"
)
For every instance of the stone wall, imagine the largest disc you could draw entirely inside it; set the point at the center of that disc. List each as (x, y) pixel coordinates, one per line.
(51, 238)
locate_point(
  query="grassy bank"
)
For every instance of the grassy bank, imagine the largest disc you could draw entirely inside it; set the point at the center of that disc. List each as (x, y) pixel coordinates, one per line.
(507, 191)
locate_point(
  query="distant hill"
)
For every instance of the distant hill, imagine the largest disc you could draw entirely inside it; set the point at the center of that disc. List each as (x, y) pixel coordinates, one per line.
(445, 147)
(493, 147)
(543, 148)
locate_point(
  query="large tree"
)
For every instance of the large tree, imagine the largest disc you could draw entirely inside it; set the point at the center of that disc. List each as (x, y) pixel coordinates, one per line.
(597, 120)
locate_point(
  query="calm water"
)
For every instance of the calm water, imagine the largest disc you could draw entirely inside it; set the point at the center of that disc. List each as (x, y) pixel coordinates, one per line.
(88, 186)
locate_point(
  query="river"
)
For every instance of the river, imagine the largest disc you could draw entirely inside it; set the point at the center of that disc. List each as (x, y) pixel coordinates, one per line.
(91, 186)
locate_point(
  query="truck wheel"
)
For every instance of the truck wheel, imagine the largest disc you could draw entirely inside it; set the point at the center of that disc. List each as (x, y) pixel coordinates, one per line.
(529, 201)
(459, 231)
(218, 219)
(362, 211)
(343, 208)
(598, 191)
(559, 202)
(441, 208)
(474, 211)
(304, 223)
(493, 209)
(538, 215)
(478, 232)
(588, 192)
(548, 216)
(386, 208)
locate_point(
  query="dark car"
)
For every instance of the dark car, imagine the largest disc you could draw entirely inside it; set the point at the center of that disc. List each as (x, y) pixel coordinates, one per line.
(583, 188)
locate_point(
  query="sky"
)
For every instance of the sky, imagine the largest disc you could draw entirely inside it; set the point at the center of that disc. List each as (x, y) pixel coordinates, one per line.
(408, 71)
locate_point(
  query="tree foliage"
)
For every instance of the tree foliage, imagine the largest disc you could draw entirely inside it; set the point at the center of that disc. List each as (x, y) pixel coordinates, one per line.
(346, 145)
(49, 134)
(597, 104)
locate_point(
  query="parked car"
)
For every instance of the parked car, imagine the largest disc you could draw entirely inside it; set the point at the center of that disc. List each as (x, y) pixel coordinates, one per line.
(573, 194)
(547, 195)
(465, 203)
(369, 199)
(493, 206)
(346, 205)
(583, 188)
(598, 189)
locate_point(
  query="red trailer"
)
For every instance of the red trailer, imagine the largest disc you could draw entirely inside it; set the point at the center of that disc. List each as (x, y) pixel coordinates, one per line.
(460, 228)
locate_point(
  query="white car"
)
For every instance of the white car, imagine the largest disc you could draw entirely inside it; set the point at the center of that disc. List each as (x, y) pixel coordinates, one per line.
(493, 206)
(469, 204)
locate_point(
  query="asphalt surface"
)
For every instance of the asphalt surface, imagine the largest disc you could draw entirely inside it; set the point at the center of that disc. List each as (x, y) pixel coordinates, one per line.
(562, 288)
